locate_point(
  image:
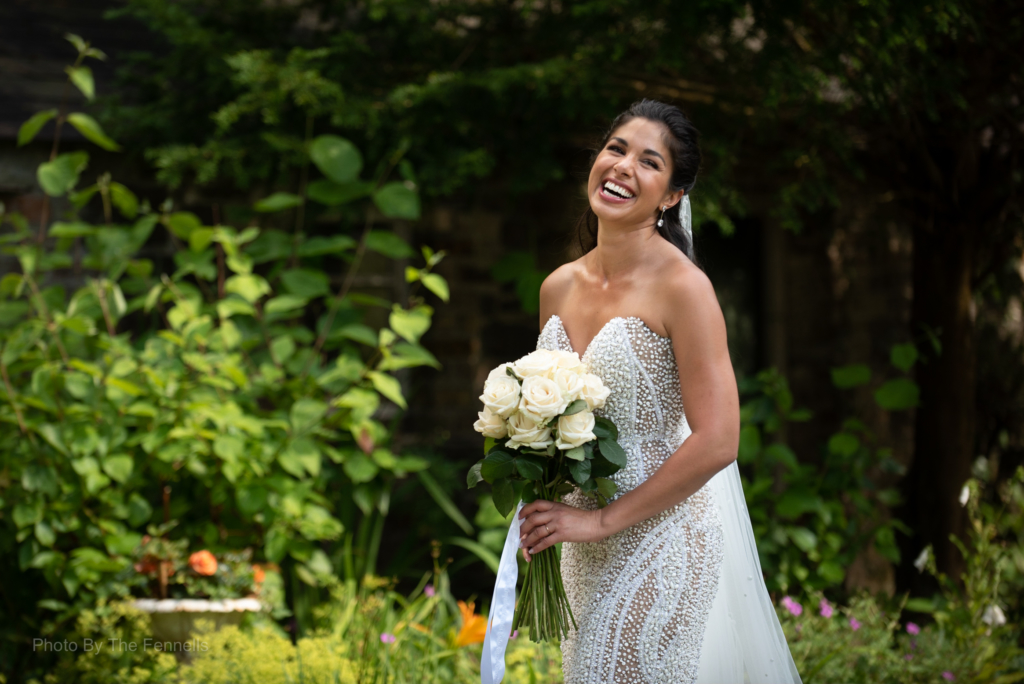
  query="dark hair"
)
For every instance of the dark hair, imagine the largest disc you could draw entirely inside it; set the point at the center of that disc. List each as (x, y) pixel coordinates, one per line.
(685, 150)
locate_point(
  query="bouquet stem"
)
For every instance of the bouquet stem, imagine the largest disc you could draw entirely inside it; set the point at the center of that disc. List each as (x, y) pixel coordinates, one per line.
(543, 605)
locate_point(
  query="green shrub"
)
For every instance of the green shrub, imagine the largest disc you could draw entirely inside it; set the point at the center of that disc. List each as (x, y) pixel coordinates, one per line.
(233, 393)
(973, 635)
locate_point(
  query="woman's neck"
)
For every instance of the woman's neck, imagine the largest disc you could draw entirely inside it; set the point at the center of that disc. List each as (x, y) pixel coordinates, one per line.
(622, 250)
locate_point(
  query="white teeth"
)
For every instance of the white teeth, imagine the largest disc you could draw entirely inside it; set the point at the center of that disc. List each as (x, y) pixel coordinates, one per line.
(615, 187)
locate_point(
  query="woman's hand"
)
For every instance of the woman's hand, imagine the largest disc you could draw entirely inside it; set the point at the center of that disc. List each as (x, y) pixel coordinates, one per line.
(545, 523)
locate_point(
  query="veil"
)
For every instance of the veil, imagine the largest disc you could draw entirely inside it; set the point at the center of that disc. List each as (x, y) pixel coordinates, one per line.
(743, 639)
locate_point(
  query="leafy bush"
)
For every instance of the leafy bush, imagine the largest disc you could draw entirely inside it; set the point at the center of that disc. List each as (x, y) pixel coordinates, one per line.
(970, 638)
(237, 393)
(812, 518)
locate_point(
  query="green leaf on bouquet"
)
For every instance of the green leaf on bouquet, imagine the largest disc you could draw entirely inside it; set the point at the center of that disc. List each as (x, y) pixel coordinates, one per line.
(575, 407)
(529, 492)
(504, 496)
(606, 487)
(489, 444)
(530, 467)
(474, 477)
(612, 452)
(605, 426)
(588, 487)
(580, 470)
(496, 465)
(576, 453)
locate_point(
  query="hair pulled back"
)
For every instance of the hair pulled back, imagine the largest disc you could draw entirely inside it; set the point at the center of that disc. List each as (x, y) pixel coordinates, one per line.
(684, 148)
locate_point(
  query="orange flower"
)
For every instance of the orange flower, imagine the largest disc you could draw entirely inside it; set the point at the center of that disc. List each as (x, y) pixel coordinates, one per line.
(474, 627)
(146, 565)
(203, 562)
(257, 574)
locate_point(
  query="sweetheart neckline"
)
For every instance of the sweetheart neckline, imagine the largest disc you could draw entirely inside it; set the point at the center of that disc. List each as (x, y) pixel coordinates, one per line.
(590, 344)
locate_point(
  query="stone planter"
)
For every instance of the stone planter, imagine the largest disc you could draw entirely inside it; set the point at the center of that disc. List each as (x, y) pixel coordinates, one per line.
(174, 620)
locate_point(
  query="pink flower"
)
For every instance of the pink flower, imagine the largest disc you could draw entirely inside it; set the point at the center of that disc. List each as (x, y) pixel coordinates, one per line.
(792, 606)
(826, 609)
(913, 628)
(429, 590)
(948, 676)
(909, 656)
(386, 638)
(854, 624)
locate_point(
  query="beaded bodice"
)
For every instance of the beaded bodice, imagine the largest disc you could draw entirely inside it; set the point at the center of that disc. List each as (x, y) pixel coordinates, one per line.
(639, 367)
(641, 597)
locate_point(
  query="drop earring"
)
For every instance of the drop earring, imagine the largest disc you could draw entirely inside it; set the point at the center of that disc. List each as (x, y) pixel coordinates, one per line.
(661, 219)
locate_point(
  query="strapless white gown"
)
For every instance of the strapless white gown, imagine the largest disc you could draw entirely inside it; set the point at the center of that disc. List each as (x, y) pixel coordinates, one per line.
(645, 598)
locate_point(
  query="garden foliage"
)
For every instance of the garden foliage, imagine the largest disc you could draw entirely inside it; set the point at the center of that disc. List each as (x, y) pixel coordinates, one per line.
(166, 375)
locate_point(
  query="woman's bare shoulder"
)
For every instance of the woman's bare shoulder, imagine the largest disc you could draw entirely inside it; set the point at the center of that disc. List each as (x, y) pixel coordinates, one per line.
(556, 288)
(687, 295)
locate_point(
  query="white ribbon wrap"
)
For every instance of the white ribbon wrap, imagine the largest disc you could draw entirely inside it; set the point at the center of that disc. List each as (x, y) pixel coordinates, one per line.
(503, 608)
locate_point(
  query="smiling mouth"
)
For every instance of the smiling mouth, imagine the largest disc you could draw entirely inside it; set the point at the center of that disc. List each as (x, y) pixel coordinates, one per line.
(616, 190)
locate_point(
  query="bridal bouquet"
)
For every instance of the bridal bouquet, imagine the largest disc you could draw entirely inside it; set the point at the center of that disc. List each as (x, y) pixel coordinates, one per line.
(543, 440)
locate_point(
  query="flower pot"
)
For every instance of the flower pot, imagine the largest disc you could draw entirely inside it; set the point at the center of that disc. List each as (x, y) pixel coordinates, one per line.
(173, 621)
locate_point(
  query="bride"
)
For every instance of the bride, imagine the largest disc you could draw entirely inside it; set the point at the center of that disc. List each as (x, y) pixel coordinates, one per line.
(664, 582)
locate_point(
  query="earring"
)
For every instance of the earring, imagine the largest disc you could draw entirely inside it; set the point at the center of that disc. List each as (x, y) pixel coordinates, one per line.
(661, 219)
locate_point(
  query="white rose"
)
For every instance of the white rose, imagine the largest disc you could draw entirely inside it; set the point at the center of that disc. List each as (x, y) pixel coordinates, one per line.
(541, 362)
(542, 398)
(569, 360)
(575, 430)
(525, 431)
(491, 424)
(501, 395)
(594, 391)
(570, 383)
(498, 372)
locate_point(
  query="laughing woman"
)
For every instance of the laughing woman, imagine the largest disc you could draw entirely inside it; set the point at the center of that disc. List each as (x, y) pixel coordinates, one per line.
(664, 582)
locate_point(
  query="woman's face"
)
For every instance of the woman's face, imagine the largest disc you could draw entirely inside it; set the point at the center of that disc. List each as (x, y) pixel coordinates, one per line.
(629, 182)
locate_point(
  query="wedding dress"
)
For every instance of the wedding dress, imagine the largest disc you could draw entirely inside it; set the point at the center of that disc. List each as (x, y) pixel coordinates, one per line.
(678, 597)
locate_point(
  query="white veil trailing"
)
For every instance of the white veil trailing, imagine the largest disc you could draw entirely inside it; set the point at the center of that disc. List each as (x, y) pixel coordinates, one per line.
(743, 639)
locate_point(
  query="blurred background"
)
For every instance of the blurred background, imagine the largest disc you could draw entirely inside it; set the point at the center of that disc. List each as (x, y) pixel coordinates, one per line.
(275, 168)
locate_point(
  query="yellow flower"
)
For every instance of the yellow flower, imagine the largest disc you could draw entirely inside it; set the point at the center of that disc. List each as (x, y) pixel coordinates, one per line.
(474, 626)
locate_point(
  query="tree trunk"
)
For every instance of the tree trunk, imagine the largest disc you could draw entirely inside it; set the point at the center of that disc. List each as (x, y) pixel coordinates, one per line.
(944, 441)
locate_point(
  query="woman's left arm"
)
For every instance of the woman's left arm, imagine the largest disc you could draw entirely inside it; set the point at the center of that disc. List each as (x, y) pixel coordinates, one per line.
(708, 388)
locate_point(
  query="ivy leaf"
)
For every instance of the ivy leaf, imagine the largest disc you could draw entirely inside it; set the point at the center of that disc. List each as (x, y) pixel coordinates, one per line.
(388, 386)
(903, 356)
(279, 201)
(410, 323)
(397, 200)
(332, 194)
(851, 376)
(336, 157)
(59, 176)
(436, 284)
(387, 243)
(35, 123)
(81, 76)
(88, 127)
(125, 200)
(898, 394)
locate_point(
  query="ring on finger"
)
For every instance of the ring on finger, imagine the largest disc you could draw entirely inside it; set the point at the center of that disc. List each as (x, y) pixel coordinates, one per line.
(548, 529)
